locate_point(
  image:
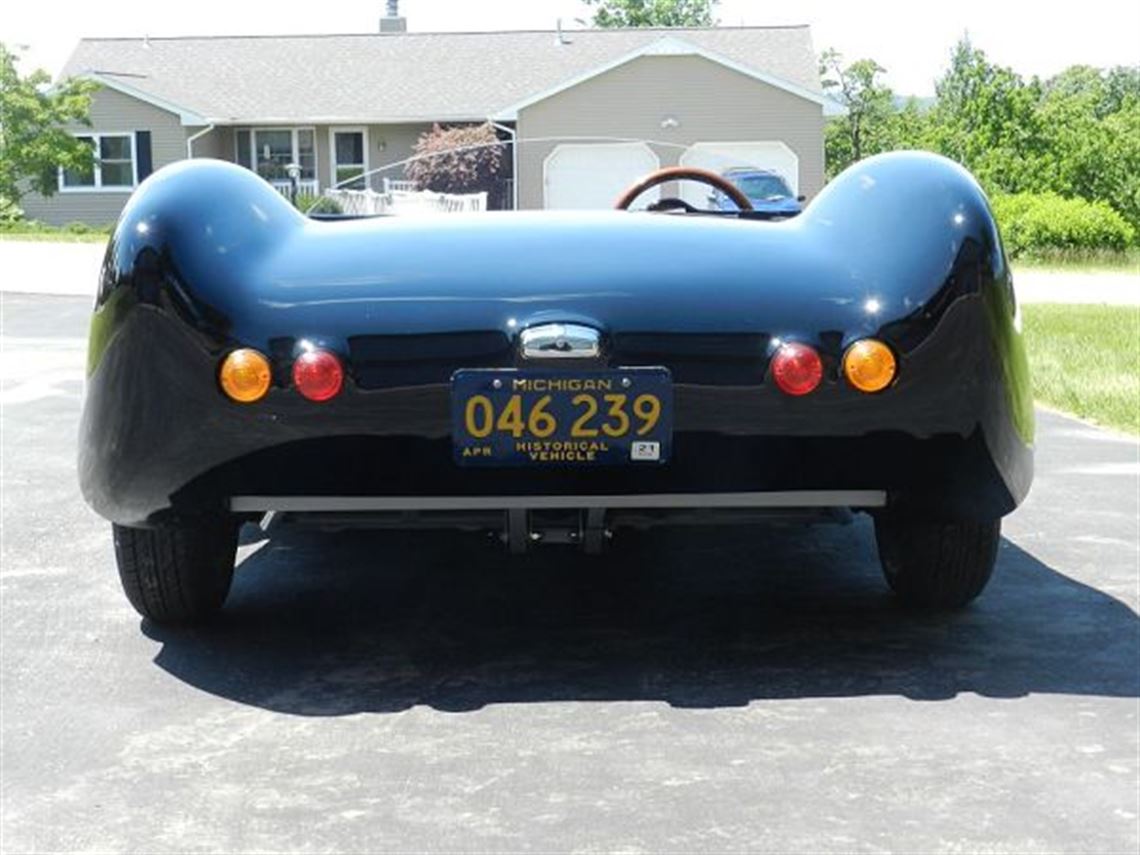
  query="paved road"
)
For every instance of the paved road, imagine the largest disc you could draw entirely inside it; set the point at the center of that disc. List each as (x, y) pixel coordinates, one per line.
(74, 269)
(753, 691)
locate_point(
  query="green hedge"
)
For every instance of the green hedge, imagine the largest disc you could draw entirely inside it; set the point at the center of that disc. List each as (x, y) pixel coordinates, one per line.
(1032, 222)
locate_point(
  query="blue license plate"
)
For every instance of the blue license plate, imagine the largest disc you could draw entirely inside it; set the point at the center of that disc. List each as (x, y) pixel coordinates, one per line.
(506, 417)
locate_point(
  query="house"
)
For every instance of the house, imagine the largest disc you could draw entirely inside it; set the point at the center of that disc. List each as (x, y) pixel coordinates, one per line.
(581, 100)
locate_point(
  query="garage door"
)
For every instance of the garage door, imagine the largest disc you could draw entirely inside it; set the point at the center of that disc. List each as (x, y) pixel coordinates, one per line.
(720, 156)
(593, 175)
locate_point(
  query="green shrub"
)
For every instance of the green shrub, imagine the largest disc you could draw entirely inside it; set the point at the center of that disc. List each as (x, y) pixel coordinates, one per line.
(309, 204)
(1036, 222)
(9, 211)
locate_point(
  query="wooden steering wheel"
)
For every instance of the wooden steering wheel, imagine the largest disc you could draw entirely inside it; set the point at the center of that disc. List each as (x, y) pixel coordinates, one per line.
(683, 173)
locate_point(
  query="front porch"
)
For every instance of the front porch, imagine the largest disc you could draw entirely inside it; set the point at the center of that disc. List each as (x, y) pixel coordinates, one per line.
(365, 159)
(327, 156)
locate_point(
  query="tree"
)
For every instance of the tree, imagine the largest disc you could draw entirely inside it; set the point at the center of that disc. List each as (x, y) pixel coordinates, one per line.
(1092, 125)
(986, 117)
(1076, 135)
(868, 127)
(1121, 89)
(458, 159)
(653, 13)
(33, 139)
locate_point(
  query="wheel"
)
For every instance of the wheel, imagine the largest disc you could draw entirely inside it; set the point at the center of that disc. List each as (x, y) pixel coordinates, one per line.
(939, 565)
(177, 574)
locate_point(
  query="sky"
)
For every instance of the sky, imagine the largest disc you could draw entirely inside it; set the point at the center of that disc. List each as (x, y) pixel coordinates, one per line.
(912, 40)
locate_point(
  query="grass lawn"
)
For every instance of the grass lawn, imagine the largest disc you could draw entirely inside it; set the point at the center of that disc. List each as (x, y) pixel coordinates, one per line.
(1086, 360)
(55, 237)
(1082, 261)
(71, 233)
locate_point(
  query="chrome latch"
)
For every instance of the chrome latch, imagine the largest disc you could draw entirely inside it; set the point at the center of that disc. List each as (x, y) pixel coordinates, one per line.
(560, 341)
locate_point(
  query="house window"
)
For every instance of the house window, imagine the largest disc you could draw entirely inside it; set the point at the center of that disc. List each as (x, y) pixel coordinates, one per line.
(267, 151)
(113, 168)
(349, 160)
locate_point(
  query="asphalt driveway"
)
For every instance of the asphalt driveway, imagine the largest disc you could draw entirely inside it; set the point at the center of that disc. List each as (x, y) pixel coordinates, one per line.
(748, 690)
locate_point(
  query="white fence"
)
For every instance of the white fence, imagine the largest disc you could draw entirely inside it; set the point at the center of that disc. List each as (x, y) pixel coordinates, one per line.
(368, 202)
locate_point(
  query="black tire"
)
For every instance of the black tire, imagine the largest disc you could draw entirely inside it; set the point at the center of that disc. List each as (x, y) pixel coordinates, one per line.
(177, 574)
(937, 565)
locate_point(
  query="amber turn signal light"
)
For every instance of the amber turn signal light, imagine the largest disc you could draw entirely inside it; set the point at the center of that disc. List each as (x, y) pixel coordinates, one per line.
(869, 365)
(245, 375)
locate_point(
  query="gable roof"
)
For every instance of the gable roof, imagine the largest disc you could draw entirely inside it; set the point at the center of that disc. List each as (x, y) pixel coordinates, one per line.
(410, 77)
(673, 46)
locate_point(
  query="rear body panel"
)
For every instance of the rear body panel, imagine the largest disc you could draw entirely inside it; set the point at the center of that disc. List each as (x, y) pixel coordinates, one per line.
(208, 258)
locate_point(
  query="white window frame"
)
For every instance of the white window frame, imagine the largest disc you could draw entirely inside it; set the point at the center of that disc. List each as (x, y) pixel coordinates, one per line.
(98, 187)
(296, 154)
(333, 131)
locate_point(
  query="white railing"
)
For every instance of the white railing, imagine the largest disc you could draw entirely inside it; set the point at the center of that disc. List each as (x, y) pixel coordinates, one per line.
(369, 202)
(399, 186)
(308, 187)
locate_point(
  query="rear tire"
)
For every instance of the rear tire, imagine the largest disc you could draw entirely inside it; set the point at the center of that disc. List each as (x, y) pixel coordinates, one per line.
(937, 565)
(177, 574)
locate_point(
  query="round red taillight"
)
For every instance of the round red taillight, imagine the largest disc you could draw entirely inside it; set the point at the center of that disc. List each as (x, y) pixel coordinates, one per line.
(318, 375)
(796, 368)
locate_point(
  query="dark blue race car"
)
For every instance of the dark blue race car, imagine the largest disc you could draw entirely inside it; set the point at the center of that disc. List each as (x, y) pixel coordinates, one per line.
(768, 192)
(557, 377)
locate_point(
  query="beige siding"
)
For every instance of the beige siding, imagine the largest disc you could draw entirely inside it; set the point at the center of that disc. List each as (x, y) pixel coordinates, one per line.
(210, 144)
(399, 141)
(112, 111)
(224, 145)
(710, 102)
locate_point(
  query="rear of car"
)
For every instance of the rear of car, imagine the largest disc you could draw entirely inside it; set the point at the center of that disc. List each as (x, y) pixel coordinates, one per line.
(555, 377)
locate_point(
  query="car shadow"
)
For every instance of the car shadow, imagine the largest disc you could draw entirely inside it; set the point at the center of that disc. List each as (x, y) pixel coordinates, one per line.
(324, 624)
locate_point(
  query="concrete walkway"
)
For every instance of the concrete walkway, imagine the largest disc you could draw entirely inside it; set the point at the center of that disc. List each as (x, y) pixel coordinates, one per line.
(46, 267)
(43, 267)
(1062, 286)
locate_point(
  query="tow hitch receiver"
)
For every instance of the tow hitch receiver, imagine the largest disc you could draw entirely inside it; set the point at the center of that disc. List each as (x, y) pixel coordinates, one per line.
(584, 528)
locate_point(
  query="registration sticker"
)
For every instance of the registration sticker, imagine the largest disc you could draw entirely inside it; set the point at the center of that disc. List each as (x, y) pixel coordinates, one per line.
(645, 451)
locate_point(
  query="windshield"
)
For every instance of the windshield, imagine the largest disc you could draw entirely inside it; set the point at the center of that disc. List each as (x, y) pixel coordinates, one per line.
(484, 168)
(758, 186)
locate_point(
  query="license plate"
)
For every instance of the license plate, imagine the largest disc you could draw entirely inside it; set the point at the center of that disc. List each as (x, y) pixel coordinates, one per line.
(552, 418)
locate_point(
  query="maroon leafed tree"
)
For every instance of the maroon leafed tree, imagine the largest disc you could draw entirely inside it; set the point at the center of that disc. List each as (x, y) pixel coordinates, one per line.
(457, 159)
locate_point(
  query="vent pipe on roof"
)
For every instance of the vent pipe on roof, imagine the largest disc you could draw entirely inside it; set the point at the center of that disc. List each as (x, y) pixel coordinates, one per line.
(392, 22)
(562, 40)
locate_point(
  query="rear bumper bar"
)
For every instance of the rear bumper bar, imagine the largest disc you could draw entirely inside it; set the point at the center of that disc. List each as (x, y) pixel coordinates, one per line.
(768, 499)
